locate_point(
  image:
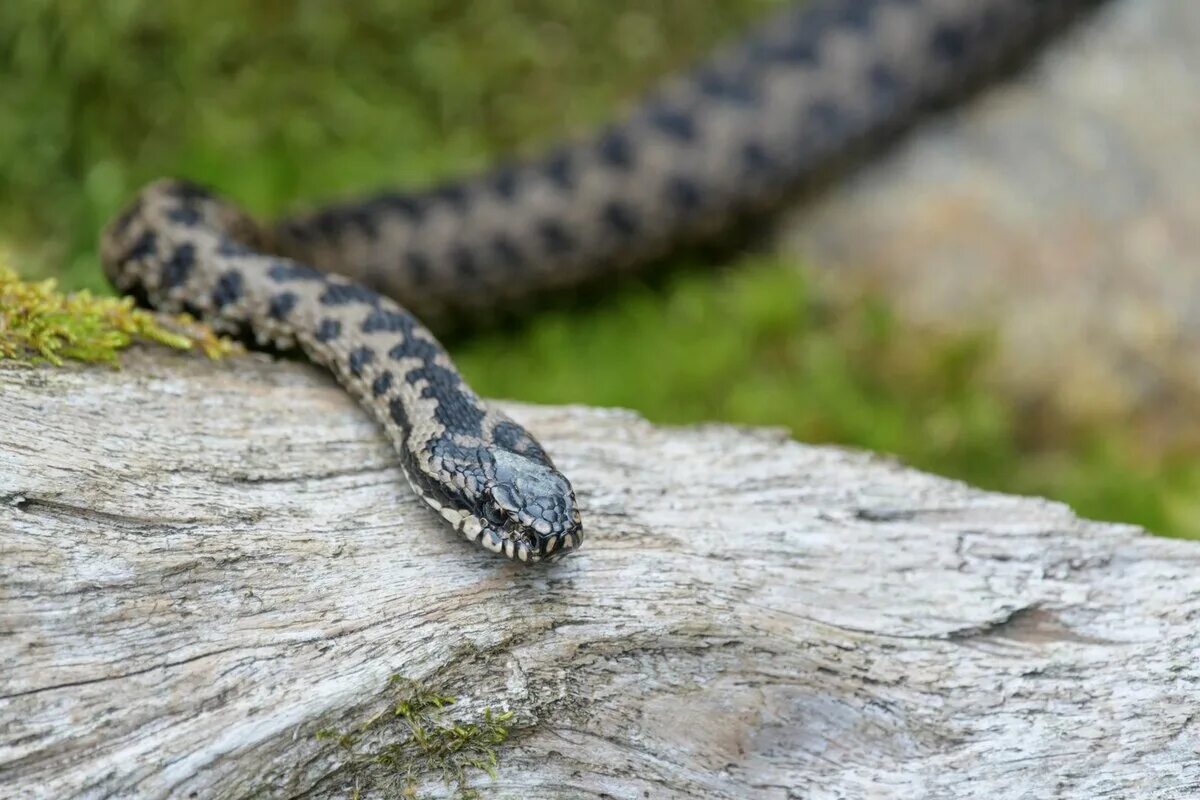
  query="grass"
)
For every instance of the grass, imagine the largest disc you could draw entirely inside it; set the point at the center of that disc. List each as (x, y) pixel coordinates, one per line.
(282, 103)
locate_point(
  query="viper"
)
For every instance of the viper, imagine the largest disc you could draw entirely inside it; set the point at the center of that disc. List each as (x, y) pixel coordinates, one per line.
(349, 283)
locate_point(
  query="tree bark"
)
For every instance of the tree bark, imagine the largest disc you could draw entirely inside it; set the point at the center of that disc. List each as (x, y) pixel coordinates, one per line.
(204, 564)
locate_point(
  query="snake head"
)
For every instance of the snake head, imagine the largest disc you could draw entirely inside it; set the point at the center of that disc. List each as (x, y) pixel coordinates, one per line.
(528, 511)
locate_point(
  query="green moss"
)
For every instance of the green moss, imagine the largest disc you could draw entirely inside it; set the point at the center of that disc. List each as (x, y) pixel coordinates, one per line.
(39, 323)
(412, 739)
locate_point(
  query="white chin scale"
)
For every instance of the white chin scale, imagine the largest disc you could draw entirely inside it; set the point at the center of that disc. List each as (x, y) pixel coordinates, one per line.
(473, 529)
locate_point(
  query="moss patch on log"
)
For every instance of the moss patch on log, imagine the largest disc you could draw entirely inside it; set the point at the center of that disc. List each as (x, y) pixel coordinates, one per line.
(389, 754)
(38, 323)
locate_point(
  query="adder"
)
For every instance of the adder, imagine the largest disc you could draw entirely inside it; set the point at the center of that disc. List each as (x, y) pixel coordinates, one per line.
(348, 283)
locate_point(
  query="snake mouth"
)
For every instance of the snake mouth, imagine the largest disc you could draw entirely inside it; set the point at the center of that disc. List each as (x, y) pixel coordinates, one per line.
(511, 538)
(518, 543)
(501, 526)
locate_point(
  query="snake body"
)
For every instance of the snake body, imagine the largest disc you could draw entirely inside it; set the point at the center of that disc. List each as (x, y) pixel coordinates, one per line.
(756, 120)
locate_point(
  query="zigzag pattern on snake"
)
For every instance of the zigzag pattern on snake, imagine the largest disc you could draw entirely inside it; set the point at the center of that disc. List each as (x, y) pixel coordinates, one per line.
(753, 122)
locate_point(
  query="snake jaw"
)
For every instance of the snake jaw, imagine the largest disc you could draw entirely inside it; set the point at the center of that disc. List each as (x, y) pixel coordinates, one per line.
(542, 527)
(525, 510)
(529, 512)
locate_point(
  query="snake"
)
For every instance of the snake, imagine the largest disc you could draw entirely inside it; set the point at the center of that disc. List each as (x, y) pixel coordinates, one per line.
(349, 283)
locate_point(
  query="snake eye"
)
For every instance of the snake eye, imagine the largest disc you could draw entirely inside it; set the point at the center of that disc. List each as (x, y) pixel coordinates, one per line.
(500, 507)
(493, 514)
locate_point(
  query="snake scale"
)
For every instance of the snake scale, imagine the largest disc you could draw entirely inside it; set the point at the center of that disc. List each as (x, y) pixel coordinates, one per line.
(758, 119)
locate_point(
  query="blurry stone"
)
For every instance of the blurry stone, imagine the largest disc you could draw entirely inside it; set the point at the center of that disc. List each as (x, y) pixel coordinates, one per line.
(1061, 209)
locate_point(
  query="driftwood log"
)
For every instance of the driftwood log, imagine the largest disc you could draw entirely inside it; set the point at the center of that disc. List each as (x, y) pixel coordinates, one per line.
(203, 565)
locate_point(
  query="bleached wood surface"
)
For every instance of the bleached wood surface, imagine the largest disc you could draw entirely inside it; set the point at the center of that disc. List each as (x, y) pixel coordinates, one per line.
(203, 564)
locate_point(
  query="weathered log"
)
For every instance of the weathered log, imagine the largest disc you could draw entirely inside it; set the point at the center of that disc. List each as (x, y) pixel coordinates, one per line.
(203, 565)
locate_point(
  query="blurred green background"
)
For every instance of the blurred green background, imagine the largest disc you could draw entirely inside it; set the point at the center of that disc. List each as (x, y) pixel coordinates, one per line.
(280, 104)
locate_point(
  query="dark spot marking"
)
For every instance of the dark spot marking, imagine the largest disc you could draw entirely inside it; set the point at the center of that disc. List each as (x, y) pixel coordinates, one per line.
(359, 359)
(383, 319)
(192, 309)
(736, 89)
(456, 410)
(676, 124)
(507, 252)
(339, 294)
(854, 15)
(455, 195)
(146, 245)
(949, 43)
(801, 51)
(184, 215)
(683, 194)
(620, 219)
(328, 330)
(405, 205)
(463, 261)
(560, 170)
(398, 414)
(414, 347)
(232, 248)
(473, 464)
(504, 181)
(178, 267)
(554, 237)
(327, 223)
(825, 120)
(285, 271)
(755, 158)
(381, 384)
(435, 376)
(362, 219)
(511, 436)
(885, 86)
(417, 265)
(281, 305)
(615, 150)
(228, 289)
(411, 345)
(297, 230)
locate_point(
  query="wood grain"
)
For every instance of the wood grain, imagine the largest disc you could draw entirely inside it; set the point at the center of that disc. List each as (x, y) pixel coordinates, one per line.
(203, 564)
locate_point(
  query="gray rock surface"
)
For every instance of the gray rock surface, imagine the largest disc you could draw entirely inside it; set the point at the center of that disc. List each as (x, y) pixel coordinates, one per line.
(1063, 208)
